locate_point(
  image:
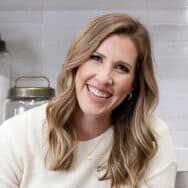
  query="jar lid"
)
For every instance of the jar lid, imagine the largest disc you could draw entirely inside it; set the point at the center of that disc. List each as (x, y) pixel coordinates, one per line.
(31, 92)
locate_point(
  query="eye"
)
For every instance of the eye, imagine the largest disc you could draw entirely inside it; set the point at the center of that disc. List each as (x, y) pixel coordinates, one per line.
(122, 69)
(96, 57)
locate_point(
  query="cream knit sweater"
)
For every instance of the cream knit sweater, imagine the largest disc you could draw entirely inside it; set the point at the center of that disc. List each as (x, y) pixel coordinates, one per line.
(23, 148)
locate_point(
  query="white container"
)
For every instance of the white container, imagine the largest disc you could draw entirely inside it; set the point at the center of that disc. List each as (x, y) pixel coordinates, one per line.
(23, 98)
(4, 76)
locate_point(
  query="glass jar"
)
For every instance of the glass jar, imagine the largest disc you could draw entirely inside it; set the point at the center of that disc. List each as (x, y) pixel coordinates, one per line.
(4, 75)
(21, 99)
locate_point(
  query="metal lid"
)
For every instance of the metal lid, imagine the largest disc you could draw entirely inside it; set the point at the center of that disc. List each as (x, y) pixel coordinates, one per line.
(31, 92)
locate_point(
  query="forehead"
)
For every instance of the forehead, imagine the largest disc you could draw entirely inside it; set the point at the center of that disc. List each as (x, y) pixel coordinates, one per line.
(118, 47)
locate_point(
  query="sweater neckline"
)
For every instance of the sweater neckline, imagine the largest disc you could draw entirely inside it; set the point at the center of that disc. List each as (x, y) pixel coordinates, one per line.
(106, 134)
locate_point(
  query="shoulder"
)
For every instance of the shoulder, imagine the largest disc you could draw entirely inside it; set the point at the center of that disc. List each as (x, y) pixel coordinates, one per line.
(160, 130)
(158, 125)
(165, 155)
(21, 143)
(162, 134)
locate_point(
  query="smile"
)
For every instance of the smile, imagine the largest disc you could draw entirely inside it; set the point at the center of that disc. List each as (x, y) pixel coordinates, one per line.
(98, 93)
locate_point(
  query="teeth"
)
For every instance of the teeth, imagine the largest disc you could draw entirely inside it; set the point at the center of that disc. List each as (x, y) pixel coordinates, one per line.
(98, 93)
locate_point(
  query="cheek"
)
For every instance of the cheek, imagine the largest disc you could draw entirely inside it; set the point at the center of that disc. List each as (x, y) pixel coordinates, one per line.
(85, 71)
(78, 80)
(125, 86)
(82, 75)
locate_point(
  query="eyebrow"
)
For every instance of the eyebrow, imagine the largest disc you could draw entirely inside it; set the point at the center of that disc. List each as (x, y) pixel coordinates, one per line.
(120, 61)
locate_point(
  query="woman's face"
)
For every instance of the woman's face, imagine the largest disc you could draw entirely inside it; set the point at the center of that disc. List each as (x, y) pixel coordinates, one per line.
(105, 80)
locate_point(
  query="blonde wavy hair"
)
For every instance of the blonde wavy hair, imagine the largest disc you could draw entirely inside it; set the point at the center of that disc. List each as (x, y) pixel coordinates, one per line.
(134, 143)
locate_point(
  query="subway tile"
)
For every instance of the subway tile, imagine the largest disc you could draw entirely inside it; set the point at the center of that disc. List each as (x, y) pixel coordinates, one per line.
(171, 49)
(63, 33)
(53, 58)
(168, 32)
(172, 67)
(17, 16)
(180, 138)
(91, 5)
(175, 122)
(179, 105)
(21, 5)
(140, 14)
(166, 4)
(67, 18)
(56, 28)
(173, 103)
(23, 66)
(20, 31)
(168, 16)
(174, 86)
(67, 30)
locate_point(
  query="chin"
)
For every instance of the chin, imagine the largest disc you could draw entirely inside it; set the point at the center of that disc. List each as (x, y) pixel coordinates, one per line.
(94, 112)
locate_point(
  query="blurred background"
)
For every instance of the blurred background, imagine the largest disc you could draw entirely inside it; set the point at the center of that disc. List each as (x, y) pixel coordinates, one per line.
(39, 32)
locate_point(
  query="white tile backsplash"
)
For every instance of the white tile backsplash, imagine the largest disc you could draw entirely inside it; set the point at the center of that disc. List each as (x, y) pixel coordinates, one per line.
(96, 4)
(38, 42)
(171, 49)
(180, 138)
(16, 16)
(168, 16)
(68, 18)
(172, 67)
(21, 5)
(172, 4)
(168, 32)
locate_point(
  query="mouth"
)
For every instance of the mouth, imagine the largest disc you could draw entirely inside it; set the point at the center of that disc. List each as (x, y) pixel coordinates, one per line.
(98, 93)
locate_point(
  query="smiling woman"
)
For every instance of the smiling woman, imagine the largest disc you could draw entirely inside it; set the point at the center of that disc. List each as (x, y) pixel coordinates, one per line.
(105, 80)
(100, 130)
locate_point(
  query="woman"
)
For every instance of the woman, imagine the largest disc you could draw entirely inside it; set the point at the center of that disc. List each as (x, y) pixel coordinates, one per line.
(99, 131)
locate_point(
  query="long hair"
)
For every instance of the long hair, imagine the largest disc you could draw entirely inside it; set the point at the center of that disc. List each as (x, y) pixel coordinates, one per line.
(134, 143)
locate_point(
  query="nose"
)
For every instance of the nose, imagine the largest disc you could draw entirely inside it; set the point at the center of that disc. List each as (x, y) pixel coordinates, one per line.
(104, 76)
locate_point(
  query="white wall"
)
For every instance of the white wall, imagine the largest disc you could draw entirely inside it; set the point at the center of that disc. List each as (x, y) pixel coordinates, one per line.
(39, 39)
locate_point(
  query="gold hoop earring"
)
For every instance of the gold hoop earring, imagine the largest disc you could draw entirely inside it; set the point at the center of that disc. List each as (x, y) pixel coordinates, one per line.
(129, 96)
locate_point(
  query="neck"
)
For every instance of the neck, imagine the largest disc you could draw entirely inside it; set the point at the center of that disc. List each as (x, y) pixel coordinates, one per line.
(89, 126)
